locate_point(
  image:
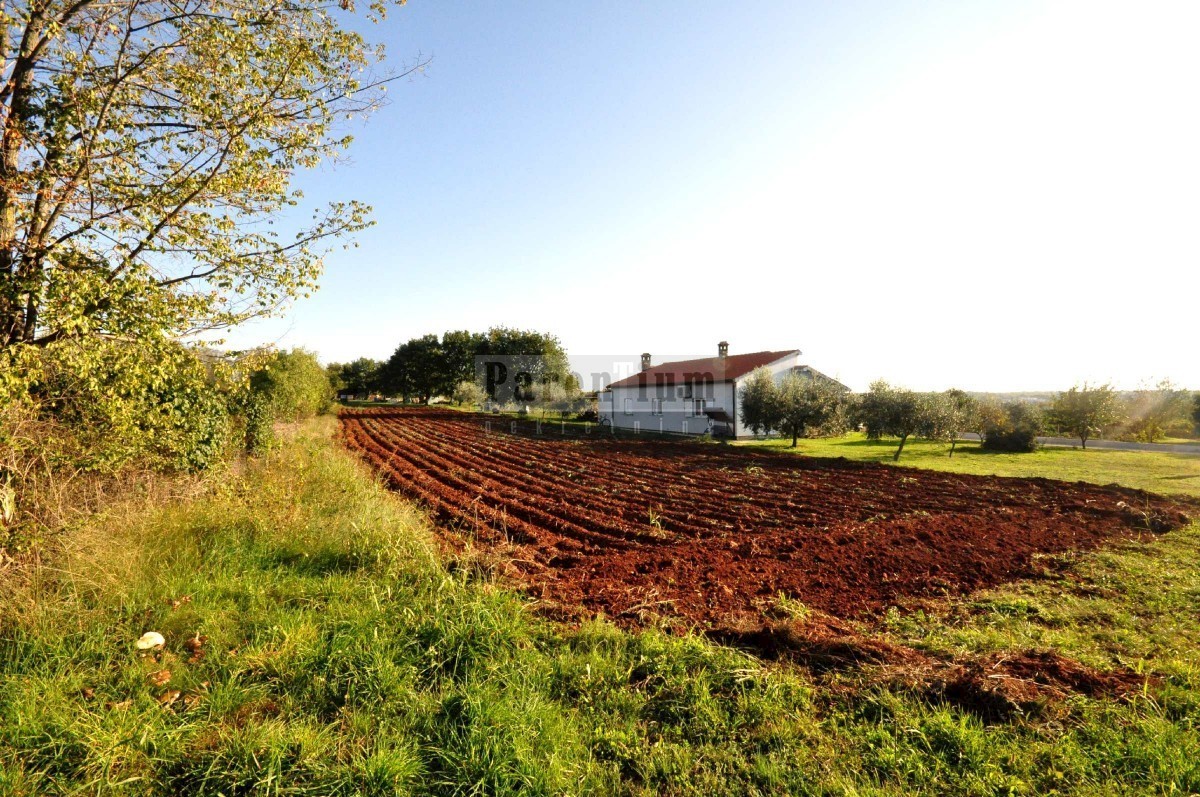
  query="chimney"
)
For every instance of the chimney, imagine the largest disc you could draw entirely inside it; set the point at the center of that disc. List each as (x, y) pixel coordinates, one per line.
(645, 360)
(723, 349)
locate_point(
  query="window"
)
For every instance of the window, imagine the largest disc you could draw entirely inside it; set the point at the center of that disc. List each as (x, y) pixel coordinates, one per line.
(656, 406)
(687, 390)
(629, 406)
(696, 408)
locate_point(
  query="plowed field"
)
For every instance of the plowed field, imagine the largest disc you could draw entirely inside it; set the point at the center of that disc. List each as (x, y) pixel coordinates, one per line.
(713, 535)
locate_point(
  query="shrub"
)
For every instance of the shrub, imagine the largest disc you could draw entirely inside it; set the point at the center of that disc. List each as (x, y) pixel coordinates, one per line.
(1016, 429)
(259, 423)
(293, 384)
(153, 402)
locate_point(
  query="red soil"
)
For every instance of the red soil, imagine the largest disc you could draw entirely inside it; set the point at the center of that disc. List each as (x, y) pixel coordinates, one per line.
(713, 535)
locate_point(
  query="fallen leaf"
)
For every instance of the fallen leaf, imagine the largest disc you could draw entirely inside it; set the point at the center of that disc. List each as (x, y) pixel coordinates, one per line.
(169, 697)
(118, 704)
(87, 692)
(160, 677)
(177, 602)
(195, 646)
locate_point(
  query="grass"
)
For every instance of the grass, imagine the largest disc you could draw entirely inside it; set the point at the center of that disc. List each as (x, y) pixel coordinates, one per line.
(341, 654)
(1157, 471)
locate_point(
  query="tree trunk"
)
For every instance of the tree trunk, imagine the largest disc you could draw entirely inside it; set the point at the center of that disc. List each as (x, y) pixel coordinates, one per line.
(903, 440)
(14, 294)
(953, 443)
(795, 436)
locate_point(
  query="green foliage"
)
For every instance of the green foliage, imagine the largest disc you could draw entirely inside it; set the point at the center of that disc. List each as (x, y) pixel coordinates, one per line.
(359, 378)
(796, 405)
(810, 405)
(259, 420)
(425, 367)
(293, 384)
(1196, 412)
(887, 411)
(1153, 414)
(947, 415)
(468, 393)
(1016, 430)
(756, 404)
(147, 148)
(152, 401)
(1085, 412)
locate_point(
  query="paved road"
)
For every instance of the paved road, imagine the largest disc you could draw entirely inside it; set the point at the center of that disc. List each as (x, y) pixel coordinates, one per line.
(1073, 442)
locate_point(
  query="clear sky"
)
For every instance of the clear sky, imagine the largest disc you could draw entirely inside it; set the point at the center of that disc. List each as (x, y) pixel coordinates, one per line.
(999, 196)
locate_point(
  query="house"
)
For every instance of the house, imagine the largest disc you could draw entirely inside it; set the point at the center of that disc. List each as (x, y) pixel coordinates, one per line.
(691, 396)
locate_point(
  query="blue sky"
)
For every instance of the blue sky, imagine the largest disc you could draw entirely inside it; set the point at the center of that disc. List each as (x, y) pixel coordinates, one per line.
(991, 196)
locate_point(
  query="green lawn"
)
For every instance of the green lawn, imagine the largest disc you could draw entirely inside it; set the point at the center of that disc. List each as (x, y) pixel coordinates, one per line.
(1161, 472)
(317, 643)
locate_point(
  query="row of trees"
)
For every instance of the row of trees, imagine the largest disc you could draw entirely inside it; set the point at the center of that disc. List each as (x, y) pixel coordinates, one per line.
(428, 366)
(802, 406)
(799, 406)
(1144, 415)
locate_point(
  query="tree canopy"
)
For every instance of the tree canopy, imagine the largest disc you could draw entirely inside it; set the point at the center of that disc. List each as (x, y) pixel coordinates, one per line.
(429, 366)
(888, 411)
(146, 152)
(1083, 412)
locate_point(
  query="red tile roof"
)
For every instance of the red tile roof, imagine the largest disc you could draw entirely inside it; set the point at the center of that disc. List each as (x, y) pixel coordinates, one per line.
(727, 369)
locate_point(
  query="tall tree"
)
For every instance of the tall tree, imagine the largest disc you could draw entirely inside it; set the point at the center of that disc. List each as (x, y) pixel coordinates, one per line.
(459, 348)
(1084, 412)
(360, 377)
(146, 147)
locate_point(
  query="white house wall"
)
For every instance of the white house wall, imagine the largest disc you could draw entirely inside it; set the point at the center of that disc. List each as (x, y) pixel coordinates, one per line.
(676, 411)
(675, 415)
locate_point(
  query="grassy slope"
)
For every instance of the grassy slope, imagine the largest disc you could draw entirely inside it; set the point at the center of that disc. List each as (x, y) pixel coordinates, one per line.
(343, 658)
(1160, 472)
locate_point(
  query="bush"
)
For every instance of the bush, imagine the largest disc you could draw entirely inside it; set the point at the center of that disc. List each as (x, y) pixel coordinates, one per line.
(1016, 429)
(259, 431)
(293, 384)
(155, 403)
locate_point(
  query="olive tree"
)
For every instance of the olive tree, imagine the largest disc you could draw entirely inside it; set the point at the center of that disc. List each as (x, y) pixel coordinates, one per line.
(947, 415)
(807, 405)
(888, 411)
(1084, 412)
(469, 393)
(757, 400)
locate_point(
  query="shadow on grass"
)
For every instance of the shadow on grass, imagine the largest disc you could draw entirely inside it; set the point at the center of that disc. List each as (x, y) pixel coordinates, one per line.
(316, 563)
